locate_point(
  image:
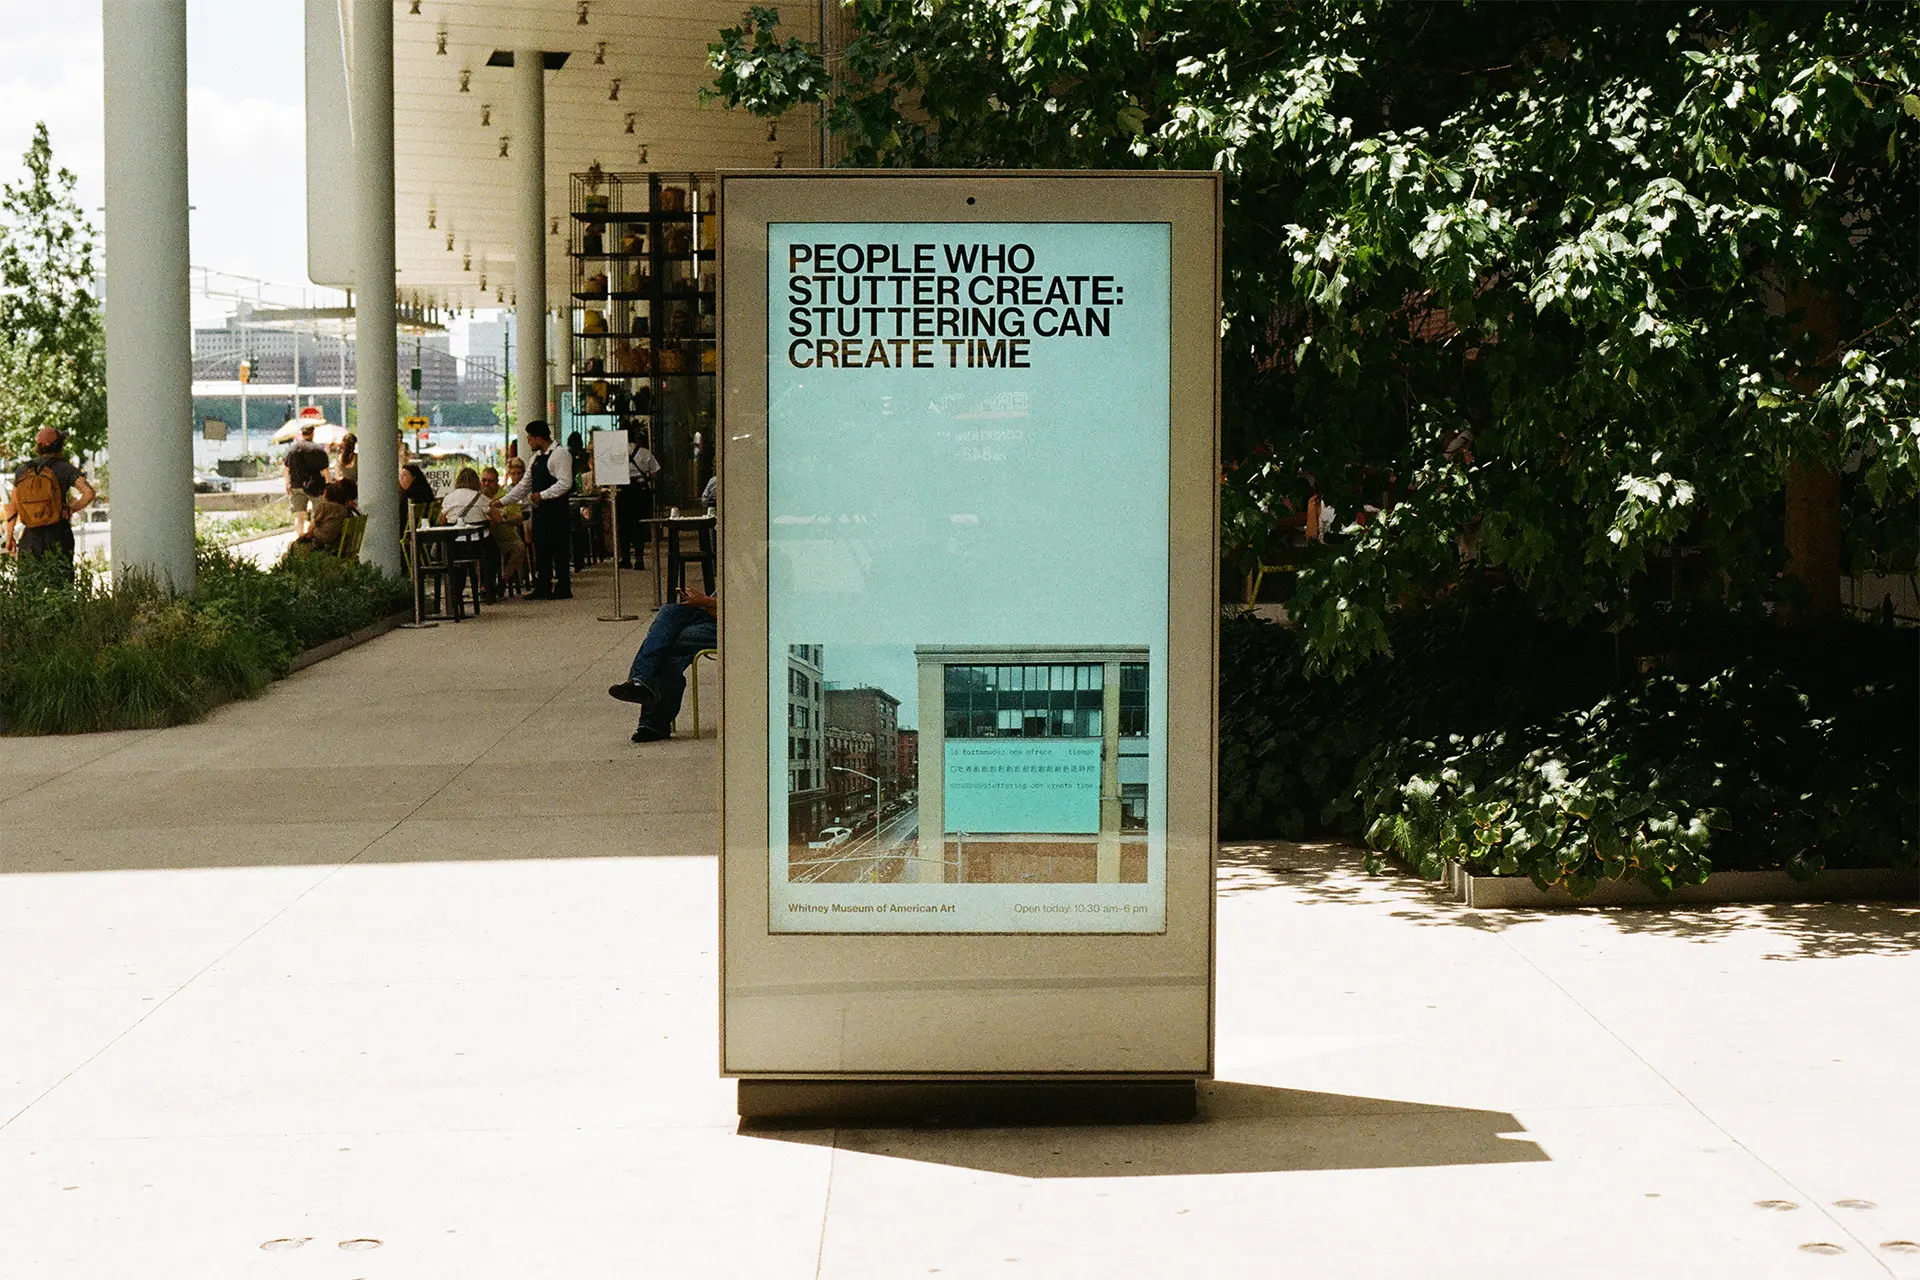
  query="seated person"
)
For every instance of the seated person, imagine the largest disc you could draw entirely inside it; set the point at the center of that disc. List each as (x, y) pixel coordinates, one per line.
(516, 472)
(510, 549)
(467, 503)
(330, 512)
(415, 489)
(658, 678)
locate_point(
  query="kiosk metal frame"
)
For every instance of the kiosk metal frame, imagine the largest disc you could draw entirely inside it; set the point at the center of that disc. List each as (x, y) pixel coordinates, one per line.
(1027, 1007)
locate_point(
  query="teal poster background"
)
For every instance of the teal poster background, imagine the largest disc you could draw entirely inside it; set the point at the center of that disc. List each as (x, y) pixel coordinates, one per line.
(925, 490)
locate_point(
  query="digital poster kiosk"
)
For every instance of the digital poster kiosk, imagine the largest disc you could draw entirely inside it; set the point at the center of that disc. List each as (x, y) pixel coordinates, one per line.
(968, 626)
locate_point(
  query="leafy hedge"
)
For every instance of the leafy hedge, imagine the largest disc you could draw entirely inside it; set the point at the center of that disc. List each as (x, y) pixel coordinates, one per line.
(85, 657)
(1519, 748)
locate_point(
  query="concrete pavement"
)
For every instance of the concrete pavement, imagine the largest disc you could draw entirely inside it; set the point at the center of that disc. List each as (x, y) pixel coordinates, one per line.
(406, 969)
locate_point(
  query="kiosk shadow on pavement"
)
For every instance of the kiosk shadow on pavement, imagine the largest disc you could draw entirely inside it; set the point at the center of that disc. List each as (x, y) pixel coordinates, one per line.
(1242, 1128)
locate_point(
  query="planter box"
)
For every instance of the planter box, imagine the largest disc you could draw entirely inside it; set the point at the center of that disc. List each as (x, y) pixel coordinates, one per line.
(1721, 888)
(233, 501)
(240, 468)
(321, 652)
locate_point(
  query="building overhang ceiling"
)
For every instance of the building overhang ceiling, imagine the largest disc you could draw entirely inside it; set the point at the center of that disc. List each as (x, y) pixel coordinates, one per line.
(626, 98)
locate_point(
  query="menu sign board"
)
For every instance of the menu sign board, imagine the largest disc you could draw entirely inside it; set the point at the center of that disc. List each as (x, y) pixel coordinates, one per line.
(968, 443)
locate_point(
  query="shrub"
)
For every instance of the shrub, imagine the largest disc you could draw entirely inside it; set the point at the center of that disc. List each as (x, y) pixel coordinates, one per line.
(80, 657)
(1513, 747)
(217, 531)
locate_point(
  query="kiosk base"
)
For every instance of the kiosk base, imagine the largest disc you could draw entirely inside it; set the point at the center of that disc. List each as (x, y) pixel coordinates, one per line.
(881, 1104)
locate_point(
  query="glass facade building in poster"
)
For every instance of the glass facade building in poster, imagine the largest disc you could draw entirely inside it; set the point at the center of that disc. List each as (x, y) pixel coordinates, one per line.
(967, 505)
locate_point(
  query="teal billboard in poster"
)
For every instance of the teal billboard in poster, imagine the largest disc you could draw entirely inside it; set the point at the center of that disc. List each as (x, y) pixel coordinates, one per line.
(1002, 786)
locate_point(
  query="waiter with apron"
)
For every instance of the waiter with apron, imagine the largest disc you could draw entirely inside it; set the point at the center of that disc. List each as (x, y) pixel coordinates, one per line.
(548, 482)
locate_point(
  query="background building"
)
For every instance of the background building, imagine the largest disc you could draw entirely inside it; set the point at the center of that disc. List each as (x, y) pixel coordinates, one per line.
(1033, 764)
(292, 363)
(875, 712)
(849, 754)
(906, 764)
(806, 740)
(480, 379)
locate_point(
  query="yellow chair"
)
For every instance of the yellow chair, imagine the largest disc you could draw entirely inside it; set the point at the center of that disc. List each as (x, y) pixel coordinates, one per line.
(693, 682)
(352, 534)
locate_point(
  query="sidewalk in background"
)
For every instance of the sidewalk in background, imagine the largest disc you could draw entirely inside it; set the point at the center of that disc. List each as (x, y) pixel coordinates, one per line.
(417, 948)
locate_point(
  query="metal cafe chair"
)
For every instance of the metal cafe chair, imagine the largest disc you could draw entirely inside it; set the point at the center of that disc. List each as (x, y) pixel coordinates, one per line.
(453, 565)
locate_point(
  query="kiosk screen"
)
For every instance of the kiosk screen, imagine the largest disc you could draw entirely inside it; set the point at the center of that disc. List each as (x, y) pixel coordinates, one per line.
(968, 445)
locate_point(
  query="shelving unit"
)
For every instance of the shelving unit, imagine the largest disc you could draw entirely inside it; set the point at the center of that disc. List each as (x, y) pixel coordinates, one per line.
(643, 254)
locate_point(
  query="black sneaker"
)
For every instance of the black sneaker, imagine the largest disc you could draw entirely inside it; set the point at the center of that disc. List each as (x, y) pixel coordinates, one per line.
(647, 733)
(633, 691)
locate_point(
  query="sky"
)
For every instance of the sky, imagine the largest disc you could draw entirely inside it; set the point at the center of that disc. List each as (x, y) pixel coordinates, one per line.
(246, 130)
(245, 120)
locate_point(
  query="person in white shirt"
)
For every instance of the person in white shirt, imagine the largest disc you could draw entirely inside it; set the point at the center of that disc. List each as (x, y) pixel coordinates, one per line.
(634, 502)
(546, 485)
(465, 503)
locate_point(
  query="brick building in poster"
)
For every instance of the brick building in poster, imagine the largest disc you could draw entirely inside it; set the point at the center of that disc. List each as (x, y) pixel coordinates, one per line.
(906, 765)
(865, 709)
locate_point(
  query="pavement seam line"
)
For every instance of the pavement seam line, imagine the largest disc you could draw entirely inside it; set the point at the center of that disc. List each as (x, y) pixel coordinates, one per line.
(68, 772)
(295, 901)
(1698, 1110)
(826, 1205)
(166, 1000)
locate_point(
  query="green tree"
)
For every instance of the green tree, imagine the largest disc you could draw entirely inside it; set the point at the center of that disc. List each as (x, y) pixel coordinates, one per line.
(1564, 299)
(52, 349)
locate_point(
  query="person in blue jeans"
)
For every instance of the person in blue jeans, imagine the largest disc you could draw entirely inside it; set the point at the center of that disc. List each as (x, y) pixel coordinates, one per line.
(657, 680)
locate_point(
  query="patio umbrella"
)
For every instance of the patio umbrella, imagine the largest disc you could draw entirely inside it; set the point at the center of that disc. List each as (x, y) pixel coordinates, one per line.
(323, 432)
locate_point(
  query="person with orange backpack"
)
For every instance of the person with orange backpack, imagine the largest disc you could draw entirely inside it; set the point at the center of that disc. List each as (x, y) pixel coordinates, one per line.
(40, 503)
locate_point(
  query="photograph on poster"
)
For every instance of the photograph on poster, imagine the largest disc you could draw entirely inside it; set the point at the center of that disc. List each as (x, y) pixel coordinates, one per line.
(1038, 772)
(968, 434)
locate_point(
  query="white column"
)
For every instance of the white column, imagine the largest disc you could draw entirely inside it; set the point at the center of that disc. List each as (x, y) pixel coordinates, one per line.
(1106, 862)
(148, 327)
(378, 422)
(530, 239)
